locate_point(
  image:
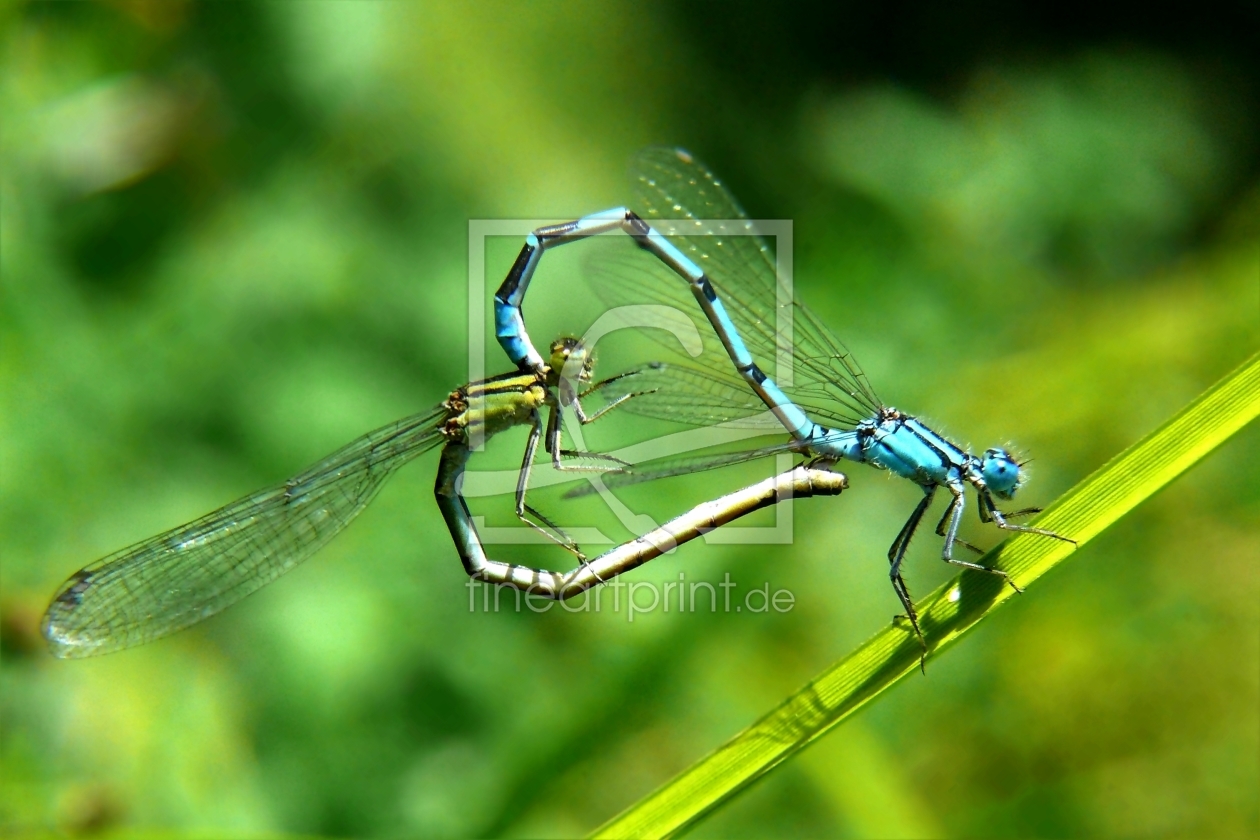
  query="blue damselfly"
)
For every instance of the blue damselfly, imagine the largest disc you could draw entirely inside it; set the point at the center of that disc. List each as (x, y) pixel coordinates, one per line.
(698, 233)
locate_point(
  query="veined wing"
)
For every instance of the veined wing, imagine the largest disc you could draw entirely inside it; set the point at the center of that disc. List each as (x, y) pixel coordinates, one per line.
(686, 465)
(689, 205)
(823, 385)
(689, 395)
(189, 573)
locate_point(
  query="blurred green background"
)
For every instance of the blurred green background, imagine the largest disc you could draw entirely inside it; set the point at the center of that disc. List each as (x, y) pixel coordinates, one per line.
(235, 236)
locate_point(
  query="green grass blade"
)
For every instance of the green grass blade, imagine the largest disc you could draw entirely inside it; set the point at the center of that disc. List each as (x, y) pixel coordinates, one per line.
(1082, 513)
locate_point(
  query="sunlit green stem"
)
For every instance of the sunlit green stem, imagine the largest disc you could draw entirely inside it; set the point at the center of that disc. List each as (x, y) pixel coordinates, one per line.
(953, 609)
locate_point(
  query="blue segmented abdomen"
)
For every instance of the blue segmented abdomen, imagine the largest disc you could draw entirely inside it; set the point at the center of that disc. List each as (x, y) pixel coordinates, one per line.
(512, 335)
(789, 413)
(509, 327)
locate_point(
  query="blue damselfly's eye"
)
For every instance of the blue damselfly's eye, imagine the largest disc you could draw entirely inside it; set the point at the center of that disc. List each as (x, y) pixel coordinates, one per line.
(1001, 472)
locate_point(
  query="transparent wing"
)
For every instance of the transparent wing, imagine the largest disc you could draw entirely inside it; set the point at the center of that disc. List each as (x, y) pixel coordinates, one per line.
(693, 396)
(689, 205)
(189, 573)
(685, 465)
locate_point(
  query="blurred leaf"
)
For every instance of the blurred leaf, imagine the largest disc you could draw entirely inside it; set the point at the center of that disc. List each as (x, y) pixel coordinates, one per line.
(1100, 163)
(949, 612)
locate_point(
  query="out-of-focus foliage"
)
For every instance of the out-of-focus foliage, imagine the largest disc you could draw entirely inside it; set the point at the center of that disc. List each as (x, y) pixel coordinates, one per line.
(235, 236)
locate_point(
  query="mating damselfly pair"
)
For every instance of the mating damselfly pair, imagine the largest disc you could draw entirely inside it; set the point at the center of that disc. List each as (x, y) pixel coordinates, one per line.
(702, 254)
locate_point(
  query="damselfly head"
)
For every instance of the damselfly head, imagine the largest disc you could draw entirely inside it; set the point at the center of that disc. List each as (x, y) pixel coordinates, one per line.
(1001, 472)
(570, 359)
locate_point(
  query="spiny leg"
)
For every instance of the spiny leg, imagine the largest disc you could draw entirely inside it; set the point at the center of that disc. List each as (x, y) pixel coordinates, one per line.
(897, 552)
(585, 419)
(582, 416)
(983, 510)
(955, 514)
(999, 519)
(940, 531)
(554, 436)
(619, 465)
(902, 542)
(603, 383)
(560, 538)
(569, 542)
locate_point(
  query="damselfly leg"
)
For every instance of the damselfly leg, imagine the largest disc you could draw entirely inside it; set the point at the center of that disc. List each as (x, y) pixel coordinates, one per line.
(699, 235)
(565, 395)
(989, 509)
(897, 552)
